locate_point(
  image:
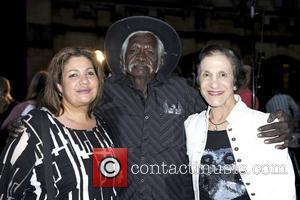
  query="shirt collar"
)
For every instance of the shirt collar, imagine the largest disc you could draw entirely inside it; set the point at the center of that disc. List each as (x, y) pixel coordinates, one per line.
(121, 78)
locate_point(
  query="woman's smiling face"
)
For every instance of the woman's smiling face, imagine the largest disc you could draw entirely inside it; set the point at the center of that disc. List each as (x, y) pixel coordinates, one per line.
(79, 82)
(217, 80)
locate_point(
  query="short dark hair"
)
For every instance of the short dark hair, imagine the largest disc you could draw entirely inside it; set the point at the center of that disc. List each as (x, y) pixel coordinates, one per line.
(232, 56)
(36, 89)
(52, 98)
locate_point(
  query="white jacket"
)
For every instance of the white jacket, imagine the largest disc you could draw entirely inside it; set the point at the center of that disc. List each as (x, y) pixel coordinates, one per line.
(266, 172)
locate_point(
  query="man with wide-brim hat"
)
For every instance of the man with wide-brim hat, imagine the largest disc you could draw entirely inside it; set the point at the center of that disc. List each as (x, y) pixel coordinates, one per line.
(146, 106)
(120, 30)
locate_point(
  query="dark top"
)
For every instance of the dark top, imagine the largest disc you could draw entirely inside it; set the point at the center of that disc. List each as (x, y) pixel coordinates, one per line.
(219, 178)
(22, 168)
(4, 132)
(152, 130)
(6, 113)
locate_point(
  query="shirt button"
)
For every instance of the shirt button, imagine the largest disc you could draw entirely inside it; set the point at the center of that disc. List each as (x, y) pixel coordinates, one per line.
(146, 117)
(252, 194)
(233, 139)
(236, 148)
(247, 183)
(230, 129)
(239, 160)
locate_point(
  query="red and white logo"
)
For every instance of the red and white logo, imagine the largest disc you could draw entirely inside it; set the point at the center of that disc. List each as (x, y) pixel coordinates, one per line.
(110, 167)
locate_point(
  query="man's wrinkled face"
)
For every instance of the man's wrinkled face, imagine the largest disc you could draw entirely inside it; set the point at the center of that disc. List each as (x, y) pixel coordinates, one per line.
(141, 58)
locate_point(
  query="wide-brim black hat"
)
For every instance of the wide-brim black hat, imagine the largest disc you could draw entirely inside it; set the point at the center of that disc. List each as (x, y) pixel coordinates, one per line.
(121, 29)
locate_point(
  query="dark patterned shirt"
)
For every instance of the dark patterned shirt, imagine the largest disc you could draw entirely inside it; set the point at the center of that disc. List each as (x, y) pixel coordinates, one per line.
(152, 130)
(22, 168)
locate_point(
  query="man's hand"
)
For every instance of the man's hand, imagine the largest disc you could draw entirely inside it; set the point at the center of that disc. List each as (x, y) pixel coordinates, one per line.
(278, 131)
(11, 132)
(16, 128)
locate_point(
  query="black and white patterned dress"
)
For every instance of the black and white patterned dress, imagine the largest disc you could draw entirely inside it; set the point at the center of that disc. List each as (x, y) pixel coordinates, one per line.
(22, 169)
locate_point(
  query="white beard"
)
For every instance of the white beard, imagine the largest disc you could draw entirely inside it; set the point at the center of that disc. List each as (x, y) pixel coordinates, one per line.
(131, 65)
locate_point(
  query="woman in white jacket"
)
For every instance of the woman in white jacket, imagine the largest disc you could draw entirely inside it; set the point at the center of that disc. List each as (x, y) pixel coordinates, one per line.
(227, 159)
